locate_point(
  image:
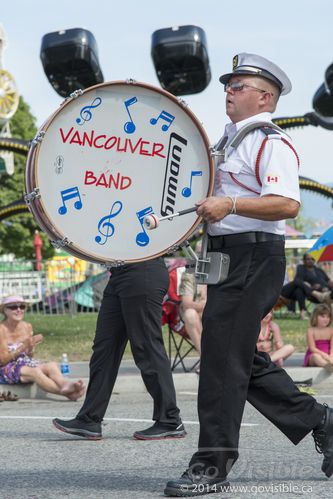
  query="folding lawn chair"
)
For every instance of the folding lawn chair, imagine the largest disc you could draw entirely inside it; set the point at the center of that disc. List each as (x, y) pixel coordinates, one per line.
(178, 337)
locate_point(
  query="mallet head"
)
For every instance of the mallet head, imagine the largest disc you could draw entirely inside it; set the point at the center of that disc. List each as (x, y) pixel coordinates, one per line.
(150, 222)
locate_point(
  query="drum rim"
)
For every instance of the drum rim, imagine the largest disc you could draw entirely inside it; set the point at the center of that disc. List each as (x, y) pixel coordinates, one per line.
(36, 206)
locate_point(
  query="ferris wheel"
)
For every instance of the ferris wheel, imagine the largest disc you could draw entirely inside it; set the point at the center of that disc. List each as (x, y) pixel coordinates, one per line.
(9, 101)
(9, 97)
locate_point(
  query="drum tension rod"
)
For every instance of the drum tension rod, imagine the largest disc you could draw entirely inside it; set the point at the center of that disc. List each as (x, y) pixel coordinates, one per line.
(75, 94)
(31, 196)
(38, 138)
(182, 102)
(61, 243)
(113, 264)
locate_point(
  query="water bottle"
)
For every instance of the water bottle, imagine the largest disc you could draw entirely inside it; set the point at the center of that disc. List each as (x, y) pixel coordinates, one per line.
(64, 365)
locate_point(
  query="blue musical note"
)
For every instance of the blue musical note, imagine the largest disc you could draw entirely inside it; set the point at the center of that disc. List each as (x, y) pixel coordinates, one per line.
(85, 113)
(67, 194)
(164, 115)
(187, 191)
(105, 225)
(142, 238)
(129, 126)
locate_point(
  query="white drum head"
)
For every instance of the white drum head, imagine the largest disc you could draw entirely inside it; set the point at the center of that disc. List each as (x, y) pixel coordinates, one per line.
(118, 152)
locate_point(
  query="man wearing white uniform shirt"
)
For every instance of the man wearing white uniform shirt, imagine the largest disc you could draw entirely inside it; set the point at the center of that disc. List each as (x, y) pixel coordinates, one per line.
(256, 189)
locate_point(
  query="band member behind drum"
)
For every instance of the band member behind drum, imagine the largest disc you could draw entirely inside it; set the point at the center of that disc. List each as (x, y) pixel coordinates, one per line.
(131, 311)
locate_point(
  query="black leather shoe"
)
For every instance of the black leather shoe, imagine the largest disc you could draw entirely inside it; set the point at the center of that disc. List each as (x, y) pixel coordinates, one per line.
(160, 431)
(80, 428)
(323, 437)
(190, 484)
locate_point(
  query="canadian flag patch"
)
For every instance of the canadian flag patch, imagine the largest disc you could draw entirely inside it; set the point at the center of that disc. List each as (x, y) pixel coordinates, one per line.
(272, 179)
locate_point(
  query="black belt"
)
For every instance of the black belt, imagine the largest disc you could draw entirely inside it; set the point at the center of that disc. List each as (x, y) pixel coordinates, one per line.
(218, 242)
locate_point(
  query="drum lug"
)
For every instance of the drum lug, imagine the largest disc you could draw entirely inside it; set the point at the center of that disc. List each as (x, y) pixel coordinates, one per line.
(173, 249)
(113, 264)
(61, 243)
(31, 196)
(75, 94)
(182, 102)
(38, 138)
(130, 81)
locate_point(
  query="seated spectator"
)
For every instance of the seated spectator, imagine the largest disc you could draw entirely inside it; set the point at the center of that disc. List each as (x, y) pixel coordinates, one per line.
(320, 338)
(17, 365)
(310, 283)
(271, 342)
(193, 299)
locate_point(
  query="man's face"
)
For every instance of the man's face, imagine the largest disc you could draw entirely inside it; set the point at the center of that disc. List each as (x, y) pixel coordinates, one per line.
(309, 261)
(241, 104)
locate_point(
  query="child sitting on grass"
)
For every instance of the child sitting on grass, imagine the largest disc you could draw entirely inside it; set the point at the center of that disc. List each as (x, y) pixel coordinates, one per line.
(271, 342)
(320, 338)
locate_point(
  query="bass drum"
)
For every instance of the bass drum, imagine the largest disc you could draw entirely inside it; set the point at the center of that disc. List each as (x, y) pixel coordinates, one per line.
(108, 157)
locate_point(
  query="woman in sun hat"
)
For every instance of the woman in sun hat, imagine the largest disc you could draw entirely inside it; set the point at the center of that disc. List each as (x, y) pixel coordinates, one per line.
(17, 365)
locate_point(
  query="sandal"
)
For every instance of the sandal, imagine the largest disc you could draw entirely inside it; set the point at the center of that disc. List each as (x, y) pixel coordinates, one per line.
(9, 396)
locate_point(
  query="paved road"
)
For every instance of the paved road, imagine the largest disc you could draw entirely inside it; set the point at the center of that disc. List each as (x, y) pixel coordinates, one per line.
(39, 462)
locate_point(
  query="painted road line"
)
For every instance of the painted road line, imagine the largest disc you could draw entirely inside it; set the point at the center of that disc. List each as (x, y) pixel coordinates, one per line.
(127, 420)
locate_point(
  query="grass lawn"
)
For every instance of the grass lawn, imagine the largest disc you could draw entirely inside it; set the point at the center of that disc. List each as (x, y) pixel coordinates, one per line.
(293, 331)
(74, 335)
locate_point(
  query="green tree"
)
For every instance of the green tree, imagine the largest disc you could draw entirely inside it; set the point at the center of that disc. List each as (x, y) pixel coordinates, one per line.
(17, 232)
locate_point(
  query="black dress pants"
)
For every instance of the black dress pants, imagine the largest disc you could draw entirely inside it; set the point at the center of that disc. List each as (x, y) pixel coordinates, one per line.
(231, 369)
(131, 311)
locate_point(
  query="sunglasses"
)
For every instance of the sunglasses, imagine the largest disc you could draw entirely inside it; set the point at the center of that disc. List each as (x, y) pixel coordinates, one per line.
(15, 307)
(238, 86)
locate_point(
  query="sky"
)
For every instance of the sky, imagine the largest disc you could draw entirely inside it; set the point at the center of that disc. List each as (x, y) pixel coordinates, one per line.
(295, 34)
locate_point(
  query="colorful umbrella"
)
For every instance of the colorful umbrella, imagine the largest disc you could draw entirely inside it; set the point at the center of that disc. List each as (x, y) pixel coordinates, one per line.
(322, 250)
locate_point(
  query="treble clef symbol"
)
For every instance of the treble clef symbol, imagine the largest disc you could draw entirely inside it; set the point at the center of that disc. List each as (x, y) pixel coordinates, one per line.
(105, 227)
(85, 113)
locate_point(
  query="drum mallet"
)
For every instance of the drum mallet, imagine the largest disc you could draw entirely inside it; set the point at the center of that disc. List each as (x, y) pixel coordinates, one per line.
(150, 222)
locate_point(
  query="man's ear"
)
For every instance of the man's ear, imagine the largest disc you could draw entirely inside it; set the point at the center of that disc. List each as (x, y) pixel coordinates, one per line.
(266, 100)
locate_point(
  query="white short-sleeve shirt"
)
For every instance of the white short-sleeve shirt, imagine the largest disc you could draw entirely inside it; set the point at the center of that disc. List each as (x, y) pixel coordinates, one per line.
(278, 174)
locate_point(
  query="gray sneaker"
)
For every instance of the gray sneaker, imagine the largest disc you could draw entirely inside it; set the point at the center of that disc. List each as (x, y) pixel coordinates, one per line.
(161, 431)
(80, 428)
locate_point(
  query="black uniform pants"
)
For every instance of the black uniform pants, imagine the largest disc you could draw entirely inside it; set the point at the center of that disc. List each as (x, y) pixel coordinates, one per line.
(131, 311)
(231, 369)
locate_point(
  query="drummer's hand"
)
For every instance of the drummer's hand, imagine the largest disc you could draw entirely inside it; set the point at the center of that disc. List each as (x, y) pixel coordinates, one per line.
(214, 208)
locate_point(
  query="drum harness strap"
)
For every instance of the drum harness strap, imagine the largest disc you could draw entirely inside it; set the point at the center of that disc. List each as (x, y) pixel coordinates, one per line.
(269, 129)
(218, 263)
